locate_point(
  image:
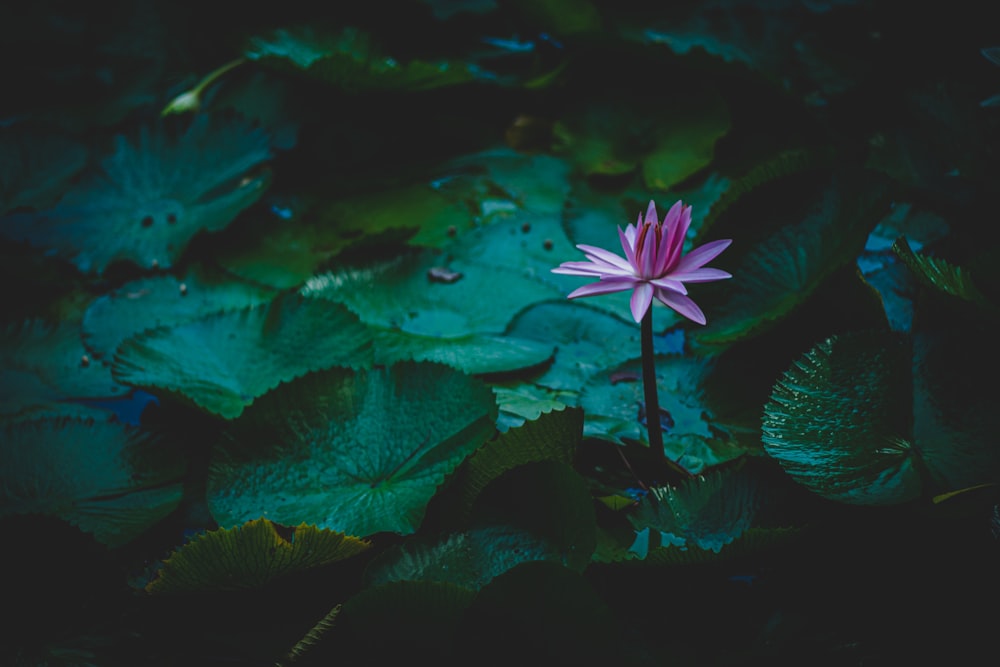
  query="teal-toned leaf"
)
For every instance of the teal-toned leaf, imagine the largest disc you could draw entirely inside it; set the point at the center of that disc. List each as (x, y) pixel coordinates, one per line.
(475, 354)
(500, 182)
(669, 142)
(938, 273)
(350, 59)
(360, 452)
(283, 244)
(839, 421)
(35, 169)
(553, 436)
(408, 294)
(265, 100)
(470, 559)
(780, 273)
(589, 341)
(707, 512)
(249, 556)
(47, 370)
(106, 478)
(420, 207)
(524, 401)
(549, 499)
(694, 434)
(163, 301)
(152, 195)
(750, 543)
(464, 196)
(222, 362)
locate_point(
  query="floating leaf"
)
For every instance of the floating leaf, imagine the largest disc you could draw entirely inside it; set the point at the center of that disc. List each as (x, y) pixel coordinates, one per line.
(399, 294)
(106, 478)
(707, 512)
(870, 419)
(418, 207)
(152, 195)
(938, 273)
(524, 401)
(554, 436)
(589, 341)
(839, 420)
(750, 543)
(47, 370)
(501, 182)
(475, 354)
(163, 301)
(671, 145)
(954, 418)
(350, 59)
(470, 559)
(35, 169)
(781, 272)
(222, 362)
(251, 555)
(360, 452)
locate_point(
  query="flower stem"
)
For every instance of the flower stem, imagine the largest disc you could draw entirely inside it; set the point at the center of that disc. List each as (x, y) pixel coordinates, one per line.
(652, 401)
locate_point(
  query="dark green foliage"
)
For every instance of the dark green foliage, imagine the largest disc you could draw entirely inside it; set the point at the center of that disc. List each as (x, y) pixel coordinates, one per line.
(311, 243)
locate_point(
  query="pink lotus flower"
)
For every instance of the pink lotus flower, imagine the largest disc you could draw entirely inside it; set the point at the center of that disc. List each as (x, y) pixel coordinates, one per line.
(654, 264)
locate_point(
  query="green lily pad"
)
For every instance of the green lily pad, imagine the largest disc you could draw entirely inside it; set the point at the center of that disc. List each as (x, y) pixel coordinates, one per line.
(265, 99)
(222, 362)
(749, 544)
(500, 182)
(669, 142)
(250, 556)
(521, 402)
(360, 452)
(163, 301)
(549, 499)
(106, 478)
(47, 370)
(938, 273)
(870, 419)
(404, 293)
(553, 436)
(475, 354)
(837, 421)
(35, 169)
(778, 274)
(152, 195)
(589, 341)
(418, 206)
(694, 435)
(349, 58)
(684, 140)
(707, 512)
(470, 559)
